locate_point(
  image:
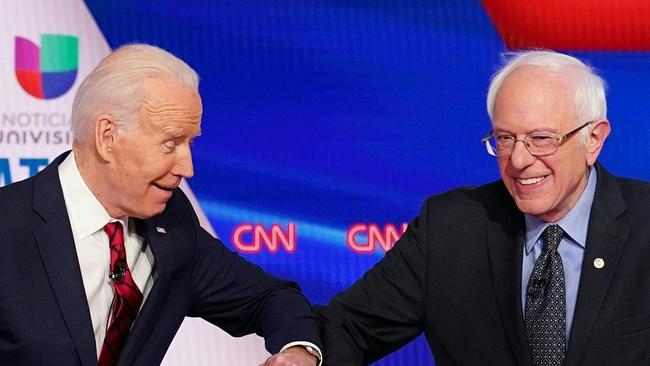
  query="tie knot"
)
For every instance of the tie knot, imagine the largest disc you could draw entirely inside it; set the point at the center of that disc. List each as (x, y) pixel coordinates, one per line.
(114, 231)
(552, 236)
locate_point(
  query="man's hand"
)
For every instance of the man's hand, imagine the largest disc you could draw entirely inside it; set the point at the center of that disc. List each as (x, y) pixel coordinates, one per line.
(293, 356)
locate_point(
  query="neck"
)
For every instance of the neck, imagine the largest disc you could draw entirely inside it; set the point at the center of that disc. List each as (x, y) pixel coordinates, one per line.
(92, 170)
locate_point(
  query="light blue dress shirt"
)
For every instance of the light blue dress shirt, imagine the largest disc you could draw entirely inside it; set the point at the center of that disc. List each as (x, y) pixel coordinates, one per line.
(571, 249)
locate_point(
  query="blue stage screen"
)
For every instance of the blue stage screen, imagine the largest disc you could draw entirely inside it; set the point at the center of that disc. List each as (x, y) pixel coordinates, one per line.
(323, 117)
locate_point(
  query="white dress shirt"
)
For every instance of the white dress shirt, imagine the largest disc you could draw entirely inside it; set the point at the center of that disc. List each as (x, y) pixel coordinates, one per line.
(87, 219)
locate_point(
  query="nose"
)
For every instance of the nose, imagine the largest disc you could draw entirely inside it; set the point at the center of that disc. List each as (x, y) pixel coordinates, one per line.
(520, 156)
(183, 166)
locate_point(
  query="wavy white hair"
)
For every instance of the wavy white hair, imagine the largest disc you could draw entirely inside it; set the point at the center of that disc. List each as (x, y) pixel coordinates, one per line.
(588, 88)
(115, 86)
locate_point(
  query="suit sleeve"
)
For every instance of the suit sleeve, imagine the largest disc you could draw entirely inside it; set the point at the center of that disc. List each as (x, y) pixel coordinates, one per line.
(383, 310)
(241, 298)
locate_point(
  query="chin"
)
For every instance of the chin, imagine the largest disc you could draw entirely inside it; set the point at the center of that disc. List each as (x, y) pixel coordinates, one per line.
(158, 210)
(150, 212)
(531, 208)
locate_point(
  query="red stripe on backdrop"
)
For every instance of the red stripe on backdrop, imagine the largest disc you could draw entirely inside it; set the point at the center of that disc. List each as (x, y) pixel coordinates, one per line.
(597, 25)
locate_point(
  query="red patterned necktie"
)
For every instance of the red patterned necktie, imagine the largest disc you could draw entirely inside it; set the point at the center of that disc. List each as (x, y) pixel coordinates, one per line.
(126, 301)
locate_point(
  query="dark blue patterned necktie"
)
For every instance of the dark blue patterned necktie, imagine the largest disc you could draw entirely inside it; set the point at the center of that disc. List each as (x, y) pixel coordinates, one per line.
(546, 303)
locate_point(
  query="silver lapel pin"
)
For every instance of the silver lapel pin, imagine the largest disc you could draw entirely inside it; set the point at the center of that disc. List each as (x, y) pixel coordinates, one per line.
(161, 230)
(599, 263)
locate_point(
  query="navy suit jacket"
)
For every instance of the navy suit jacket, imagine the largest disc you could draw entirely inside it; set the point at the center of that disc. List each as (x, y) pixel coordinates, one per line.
(456, 276)
(44, 316)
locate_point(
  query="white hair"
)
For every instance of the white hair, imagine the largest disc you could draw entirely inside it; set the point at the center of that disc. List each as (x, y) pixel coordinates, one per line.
(588, 88)
(115, 86)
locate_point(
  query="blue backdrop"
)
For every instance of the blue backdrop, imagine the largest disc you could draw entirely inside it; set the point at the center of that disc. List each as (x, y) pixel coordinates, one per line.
(330, 113)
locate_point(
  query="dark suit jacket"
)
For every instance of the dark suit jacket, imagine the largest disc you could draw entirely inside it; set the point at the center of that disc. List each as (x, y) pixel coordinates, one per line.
(456, 276)
(44, 316)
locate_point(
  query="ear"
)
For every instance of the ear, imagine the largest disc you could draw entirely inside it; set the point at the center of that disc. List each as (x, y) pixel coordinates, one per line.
(596, 140)
(105, 137)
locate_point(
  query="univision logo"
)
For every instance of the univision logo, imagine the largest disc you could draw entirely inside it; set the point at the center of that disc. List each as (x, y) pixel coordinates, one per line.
(50, 71)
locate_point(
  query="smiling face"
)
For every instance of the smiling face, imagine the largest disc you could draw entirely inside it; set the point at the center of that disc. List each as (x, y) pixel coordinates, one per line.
(531, 100)
(149, 159)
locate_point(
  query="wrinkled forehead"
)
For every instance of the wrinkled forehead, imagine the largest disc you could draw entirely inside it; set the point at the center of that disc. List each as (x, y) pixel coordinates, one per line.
(170, 102)
(532, 97)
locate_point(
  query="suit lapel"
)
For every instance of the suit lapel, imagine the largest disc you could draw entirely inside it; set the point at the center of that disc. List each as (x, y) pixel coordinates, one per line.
(606, 236)
(505, 246)
(505, 258)
(162, 247)
(59, 256)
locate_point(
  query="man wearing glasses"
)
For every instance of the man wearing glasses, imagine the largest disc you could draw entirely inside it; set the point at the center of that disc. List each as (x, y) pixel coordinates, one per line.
(548, 266)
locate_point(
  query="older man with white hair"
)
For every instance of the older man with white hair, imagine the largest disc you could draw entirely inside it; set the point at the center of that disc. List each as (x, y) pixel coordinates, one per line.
(102, 253)
(547, 266)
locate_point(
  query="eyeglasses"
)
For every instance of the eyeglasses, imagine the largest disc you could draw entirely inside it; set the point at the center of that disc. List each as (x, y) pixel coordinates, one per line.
(537, 143)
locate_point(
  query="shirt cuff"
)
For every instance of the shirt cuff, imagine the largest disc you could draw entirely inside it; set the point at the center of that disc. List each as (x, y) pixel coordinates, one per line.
(303, 343)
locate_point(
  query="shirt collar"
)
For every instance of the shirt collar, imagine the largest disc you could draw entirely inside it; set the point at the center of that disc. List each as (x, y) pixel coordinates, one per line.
(86, 214)
(574, 224)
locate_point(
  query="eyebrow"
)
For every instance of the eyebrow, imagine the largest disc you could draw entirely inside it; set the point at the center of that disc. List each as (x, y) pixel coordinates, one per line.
(537, 130)
(173, 132)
